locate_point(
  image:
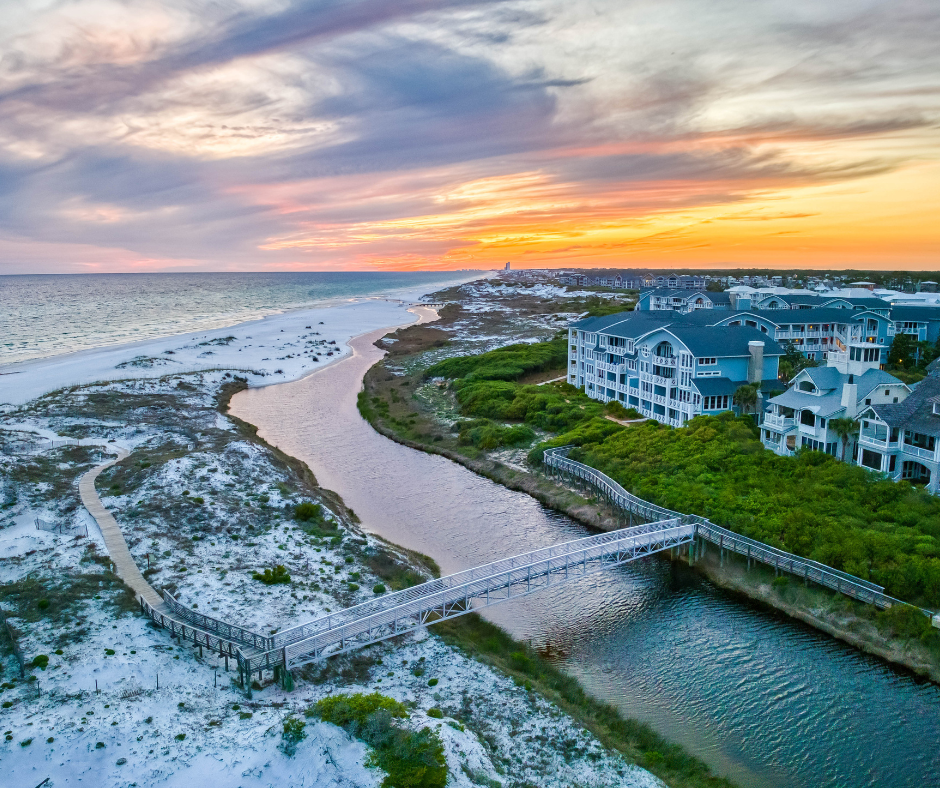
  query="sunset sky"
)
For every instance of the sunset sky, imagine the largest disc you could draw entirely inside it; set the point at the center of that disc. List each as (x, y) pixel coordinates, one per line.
(401, 134)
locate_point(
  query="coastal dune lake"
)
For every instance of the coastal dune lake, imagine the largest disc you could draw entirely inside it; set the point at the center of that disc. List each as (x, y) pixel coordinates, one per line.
(763, 699)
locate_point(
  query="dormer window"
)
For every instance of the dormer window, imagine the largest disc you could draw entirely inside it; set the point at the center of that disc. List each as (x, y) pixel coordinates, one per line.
(807, 385)
(936, 409)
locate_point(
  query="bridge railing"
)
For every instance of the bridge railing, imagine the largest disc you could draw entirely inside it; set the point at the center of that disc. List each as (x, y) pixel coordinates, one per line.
(483, 581)
(459, 579)
(827, 576)
(217, 626)
(189, 632)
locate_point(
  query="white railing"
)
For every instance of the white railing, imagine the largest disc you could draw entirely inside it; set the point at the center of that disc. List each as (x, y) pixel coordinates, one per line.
(915, 451)
(855, 587)
(779, 422)
(664, 361)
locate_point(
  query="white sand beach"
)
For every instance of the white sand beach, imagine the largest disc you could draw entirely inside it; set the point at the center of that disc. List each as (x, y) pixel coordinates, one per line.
(271, 350)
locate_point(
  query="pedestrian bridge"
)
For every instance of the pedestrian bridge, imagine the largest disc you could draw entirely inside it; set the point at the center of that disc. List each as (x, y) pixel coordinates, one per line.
(416, 607)
(474, 589)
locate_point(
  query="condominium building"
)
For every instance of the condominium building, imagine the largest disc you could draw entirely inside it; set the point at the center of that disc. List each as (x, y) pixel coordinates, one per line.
(669, 366)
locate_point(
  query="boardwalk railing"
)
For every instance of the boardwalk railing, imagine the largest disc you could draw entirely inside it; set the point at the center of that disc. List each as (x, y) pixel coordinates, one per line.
(463, 592)
(437, 600)
(558, 461)
(186, 631)
(230, 632)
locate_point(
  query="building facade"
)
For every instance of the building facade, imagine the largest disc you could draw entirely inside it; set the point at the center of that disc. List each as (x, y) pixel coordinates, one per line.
(902, 440)
(668, 367)
(802, 417)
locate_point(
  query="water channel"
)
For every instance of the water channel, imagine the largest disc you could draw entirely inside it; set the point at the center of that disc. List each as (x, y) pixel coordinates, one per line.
(765, 700)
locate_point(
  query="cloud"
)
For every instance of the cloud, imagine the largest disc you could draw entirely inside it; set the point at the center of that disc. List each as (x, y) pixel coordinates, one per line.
(337, 131)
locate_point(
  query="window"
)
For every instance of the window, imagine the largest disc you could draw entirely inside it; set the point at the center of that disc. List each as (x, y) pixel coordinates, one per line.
(715, 403)
(868, 401)
(705, 362)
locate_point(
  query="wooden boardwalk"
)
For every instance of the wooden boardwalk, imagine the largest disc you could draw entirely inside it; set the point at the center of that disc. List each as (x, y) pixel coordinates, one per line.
(124, 564)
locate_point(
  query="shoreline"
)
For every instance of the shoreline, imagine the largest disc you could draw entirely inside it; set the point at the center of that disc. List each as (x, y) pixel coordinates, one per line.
(401, 294)
(266, 349)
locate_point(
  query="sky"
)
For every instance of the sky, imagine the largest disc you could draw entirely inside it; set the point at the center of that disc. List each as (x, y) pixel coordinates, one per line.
(293, 135)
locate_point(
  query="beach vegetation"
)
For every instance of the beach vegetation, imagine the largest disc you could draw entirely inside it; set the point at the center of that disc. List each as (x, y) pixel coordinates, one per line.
(810, 504)
(413, 759)
(273, 575)
(292, 734)
(506, 363)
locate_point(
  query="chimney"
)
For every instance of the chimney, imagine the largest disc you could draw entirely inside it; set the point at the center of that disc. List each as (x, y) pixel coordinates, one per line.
(755, 364)
(850, 399)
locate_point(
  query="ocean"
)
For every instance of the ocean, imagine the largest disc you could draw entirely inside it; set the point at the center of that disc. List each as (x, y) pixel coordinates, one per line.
(46, 315)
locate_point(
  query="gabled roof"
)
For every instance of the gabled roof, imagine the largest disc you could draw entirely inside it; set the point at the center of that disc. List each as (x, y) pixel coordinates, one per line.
(916, 412)
(831, 381)
(701, 339)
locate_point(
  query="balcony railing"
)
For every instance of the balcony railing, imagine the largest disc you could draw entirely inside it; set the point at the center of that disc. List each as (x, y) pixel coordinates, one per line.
(915, 451)
(779, 422)
(875, 442)
(663, 361)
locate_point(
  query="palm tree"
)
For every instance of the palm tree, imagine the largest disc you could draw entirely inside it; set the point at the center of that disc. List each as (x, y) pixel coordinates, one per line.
(746, 396)
(844, 427)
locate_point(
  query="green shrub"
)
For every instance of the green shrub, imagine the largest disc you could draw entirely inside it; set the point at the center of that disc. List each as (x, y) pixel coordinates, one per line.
(293, 734)
(43, 604)
(810, 504)
(343, 710)
(436, 713)
(378, 588)
(180, 736)
(40, 661)
(308, 512)
(409, 759)
(270, 577)
(506, 363)
(484, 434)
(432, 682)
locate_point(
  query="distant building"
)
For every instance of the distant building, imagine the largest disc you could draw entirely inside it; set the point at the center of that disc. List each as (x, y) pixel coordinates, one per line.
(507, 267)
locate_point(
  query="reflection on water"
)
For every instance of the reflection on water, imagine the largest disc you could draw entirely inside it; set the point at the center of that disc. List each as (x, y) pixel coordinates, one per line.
(763, 699)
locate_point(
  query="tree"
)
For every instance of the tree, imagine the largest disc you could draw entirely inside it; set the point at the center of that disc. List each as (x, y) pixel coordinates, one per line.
(793, 362)
(714, 287)
(844, 427)
(903, 352)
(746, 397)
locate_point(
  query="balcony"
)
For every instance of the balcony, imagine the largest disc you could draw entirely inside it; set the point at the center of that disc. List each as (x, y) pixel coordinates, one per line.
(914, 451)
(868, 439)
(660, 381)
(663, 361)
(603, 366)
(779, 422)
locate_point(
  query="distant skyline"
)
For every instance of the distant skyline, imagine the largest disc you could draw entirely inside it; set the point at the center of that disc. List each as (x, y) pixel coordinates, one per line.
(188, 135)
